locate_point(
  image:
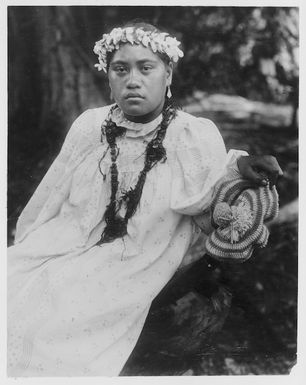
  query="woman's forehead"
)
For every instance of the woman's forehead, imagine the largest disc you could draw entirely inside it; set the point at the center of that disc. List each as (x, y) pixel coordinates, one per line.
(134, 53)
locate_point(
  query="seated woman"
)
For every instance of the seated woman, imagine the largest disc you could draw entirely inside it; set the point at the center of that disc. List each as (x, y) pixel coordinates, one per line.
(111, 220)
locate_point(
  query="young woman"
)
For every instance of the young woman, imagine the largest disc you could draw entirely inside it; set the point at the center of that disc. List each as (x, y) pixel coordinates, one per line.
(111, 221)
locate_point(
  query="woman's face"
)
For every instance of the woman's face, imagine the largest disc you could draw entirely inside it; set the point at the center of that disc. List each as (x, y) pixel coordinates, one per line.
(138, 79)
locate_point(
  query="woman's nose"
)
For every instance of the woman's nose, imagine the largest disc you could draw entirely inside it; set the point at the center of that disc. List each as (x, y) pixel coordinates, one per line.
(133, 79)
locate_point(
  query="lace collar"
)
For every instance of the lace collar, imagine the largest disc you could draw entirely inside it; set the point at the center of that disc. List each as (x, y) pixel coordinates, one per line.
(135, 130)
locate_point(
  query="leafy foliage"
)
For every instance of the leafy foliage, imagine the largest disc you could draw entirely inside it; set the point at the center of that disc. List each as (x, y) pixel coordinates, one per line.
(252, 52)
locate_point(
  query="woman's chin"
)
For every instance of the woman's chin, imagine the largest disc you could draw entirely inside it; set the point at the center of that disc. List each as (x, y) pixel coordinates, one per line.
(138, 111)
(135, 110)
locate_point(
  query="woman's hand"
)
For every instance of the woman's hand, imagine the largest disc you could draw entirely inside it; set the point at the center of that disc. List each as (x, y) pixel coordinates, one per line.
(261, 170)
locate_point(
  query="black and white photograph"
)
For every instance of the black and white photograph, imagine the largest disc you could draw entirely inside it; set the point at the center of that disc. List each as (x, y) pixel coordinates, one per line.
(152, 190)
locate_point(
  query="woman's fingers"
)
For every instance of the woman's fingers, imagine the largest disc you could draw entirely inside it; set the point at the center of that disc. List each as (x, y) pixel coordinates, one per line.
(260, 169)
(256, 176)
(273, 178)
(268, 164)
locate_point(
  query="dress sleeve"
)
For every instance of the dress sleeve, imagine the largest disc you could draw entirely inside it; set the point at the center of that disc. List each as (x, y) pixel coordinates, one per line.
(74, 145)
(200, 160)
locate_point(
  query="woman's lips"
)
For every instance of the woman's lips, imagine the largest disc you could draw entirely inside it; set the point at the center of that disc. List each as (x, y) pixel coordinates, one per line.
(133, 96)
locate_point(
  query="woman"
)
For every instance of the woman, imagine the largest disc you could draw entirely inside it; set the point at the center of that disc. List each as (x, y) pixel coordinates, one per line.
(111, 221)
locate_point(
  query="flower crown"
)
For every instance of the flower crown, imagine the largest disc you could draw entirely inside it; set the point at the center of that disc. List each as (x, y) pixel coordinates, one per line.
(157, 41)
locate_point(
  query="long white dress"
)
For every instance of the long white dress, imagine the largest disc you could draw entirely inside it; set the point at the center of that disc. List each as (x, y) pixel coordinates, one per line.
(76, 309)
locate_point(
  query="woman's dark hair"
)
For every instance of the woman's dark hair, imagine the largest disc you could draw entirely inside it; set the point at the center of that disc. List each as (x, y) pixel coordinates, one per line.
(137, 23)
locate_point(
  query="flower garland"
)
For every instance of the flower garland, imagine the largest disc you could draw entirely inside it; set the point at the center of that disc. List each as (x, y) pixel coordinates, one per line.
(116, 226)
(158, 41)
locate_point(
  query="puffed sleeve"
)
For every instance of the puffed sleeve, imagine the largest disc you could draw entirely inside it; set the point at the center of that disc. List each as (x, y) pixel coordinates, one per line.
(53, 188)
(199, 161)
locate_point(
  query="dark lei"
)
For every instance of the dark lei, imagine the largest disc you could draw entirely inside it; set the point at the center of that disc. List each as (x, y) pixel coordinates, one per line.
(116, 226)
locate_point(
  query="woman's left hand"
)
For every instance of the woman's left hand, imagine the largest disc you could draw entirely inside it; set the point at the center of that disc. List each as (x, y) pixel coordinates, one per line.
(261, 169)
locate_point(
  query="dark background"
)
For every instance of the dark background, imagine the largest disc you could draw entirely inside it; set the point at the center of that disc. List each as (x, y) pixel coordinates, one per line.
(241, 70)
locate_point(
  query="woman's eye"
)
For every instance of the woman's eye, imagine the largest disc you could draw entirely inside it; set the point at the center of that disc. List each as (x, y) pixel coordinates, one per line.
(146, 68)
(120, 69)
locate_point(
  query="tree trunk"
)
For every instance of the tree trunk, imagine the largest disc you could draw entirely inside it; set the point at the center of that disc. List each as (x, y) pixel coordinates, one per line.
(52, 80)
(68, 76)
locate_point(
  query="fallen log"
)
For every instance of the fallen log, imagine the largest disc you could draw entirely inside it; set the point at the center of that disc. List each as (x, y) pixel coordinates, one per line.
(287, 213)
(183, 318)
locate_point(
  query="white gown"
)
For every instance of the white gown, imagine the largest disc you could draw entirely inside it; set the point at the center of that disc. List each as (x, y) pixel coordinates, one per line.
(76, 309)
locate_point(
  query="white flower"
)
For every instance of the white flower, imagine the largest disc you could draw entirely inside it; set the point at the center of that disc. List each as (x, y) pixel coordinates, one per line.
(116, 35)
(111, 47)
(108, 39)
(180, 52)
(129, 30)
(145, 40)
(139, 34)
(100, 67)
(159, 40)
(130, 38)
(96, 49)
(153, 45)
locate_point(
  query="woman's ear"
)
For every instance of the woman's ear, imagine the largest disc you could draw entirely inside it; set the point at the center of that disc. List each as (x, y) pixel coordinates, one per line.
(111, 93)
(169, 71)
